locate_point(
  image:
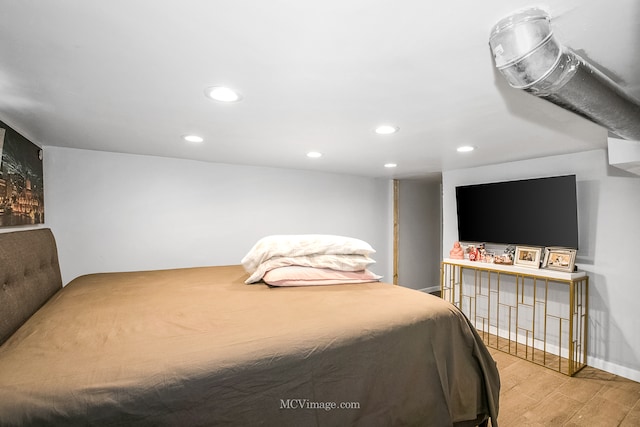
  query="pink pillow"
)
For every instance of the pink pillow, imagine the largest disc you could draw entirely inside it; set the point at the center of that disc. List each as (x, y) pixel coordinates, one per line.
(310, 276)
(335, 262)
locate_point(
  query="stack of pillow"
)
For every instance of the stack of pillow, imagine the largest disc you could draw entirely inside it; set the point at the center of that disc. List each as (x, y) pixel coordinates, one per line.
(309, 259)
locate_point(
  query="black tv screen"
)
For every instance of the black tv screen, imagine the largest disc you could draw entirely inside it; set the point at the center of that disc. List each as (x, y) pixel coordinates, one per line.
(535, 212)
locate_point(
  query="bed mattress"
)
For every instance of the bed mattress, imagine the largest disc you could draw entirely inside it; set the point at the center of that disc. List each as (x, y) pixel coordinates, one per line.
(197, 346)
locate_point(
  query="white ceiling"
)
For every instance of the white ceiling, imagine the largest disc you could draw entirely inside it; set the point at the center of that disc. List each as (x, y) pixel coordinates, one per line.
(129, 76)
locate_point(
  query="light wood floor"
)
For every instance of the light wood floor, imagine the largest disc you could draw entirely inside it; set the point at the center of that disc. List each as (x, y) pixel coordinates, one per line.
(532, 395)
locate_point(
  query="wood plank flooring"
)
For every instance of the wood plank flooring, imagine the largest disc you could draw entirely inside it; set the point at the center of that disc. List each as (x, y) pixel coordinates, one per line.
(532, 395)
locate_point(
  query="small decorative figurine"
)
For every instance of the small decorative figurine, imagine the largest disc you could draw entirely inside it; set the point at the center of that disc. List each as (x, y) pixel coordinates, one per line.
(510, 252)
(456, 252)
(473, 253)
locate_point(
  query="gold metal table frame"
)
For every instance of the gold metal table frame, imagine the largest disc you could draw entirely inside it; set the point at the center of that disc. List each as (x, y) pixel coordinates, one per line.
(536, 314)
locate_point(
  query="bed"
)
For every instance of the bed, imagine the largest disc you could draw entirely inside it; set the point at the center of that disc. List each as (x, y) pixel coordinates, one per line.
(198, 346)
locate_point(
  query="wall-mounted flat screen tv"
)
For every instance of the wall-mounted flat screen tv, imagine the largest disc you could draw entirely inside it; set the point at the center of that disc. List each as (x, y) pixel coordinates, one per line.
(535, 212)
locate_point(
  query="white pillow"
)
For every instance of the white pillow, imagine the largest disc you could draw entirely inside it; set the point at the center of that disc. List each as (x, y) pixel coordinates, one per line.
(335, 262)
(301, 245)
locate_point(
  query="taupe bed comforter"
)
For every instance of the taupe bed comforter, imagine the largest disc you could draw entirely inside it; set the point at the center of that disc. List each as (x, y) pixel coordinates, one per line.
(199, 347)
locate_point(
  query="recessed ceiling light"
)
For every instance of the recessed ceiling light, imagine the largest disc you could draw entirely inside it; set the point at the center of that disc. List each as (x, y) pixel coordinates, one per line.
(193, 138)
(314, 154)
(222, 94)
(465, 149)
(390, 165)
(387, 129)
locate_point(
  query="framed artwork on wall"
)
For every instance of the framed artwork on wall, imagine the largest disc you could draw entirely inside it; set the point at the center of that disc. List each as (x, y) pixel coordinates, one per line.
(527, 256)
(562, 259)
(21, 180)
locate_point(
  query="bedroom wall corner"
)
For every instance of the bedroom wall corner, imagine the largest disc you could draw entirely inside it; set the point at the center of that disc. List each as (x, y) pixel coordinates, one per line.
(420, 229)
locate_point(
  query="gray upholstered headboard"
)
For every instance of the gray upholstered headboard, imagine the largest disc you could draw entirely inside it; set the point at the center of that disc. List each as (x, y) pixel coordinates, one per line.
(29, 276)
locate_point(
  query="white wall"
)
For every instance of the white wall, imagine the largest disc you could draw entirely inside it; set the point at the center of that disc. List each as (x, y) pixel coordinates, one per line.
(609, 230)
(419, 234)
(122, 212)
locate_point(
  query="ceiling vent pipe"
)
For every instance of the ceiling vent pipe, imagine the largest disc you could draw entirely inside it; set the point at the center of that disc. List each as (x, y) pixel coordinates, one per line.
(530, 58)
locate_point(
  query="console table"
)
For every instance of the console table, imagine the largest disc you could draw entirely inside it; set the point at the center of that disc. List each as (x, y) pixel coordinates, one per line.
(537, 314)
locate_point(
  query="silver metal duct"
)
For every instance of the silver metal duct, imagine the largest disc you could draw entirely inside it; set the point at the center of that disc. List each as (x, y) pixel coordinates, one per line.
(530, 58)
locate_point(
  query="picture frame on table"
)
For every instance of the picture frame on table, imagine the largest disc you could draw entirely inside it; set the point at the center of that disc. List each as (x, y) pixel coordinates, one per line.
(527, 256)
(561, 259)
